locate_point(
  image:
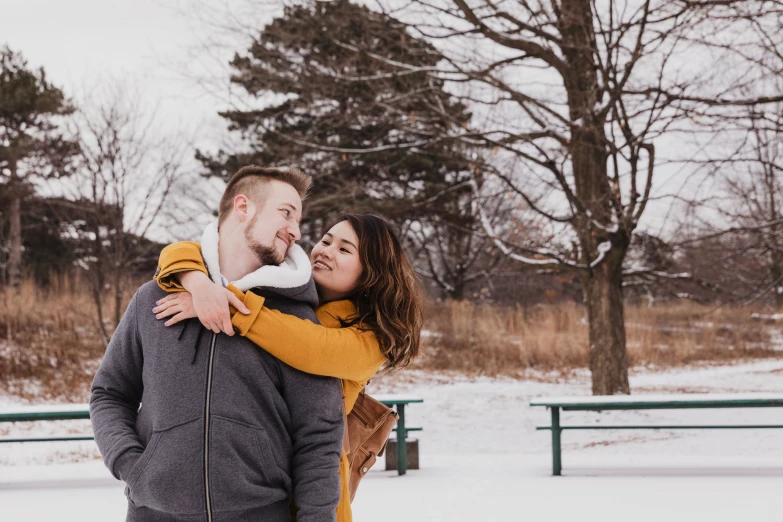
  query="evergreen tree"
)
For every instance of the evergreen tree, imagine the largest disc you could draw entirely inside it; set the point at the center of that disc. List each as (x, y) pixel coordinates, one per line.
(59, 238)
(331, 96)
(32, 144)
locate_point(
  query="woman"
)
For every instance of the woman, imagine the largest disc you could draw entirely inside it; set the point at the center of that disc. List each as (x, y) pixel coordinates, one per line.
(370, 309)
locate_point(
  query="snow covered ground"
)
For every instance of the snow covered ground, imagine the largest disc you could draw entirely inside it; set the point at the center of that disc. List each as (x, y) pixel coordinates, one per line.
(483, 460)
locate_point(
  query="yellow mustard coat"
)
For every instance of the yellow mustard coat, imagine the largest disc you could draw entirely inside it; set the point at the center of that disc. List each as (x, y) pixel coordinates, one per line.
(348, 353)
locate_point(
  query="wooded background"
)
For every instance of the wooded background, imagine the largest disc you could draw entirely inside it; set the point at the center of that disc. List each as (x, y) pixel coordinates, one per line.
(518, 146)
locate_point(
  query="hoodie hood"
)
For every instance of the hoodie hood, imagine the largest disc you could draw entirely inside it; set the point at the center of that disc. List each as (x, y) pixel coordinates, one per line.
(293, 278)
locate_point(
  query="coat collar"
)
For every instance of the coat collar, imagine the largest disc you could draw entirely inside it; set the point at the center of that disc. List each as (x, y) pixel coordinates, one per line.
(293, 272)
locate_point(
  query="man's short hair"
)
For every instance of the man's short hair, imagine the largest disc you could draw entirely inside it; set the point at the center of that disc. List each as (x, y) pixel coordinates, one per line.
(253, 182)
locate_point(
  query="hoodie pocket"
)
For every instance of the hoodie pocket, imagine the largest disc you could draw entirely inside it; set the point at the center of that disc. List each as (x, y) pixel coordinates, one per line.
(243, 473)
(170, 473)
(149, 451)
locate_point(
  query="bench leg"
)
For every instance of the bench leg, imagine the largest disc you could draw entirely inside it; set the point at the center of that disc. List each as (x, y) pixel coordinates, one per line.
(556, 465)
(402, 446)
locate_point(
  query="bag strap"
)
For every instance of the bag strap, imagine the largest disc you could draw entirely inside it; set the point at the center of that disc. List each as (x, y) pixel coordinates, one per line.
(346, 439)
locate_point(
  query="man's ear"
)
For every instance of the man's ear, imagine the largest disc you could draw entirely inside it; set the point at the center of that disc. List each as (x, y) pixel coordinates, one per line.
(241, 207)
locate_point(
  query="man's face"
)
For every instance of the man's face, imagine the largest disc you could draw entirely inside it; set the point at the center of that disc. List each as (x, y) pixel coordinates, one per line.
(272, 230)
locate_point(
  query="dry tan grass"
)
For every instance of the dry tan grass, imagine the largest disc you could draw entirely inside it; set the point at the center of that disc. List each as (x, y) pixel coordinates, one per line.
(687, 333)
(54, 346)
(506, 341)
(49, 341)
(481, 338)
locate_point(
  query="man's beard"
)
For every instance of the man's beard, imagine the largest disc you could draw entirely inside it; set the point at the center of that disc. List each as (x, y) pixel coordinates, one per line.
(266, 254)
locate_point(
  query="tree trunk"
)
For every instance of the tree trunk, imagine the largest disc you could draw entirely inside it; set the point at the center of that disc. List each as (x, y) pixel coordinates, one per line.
(15, 242)
(96, 295)
(117, 296)
(776, 273)
(457, 291)
(9, 334)
(603, 283)
(15, 239)
(119, 262)
(118, 283)
(588, 149)
(98, 277)
(606, 316)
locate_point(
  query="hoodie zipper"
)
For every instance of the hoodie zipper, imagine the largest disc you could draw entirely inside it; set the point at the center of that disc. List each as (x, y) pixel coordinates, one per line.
(206, 426)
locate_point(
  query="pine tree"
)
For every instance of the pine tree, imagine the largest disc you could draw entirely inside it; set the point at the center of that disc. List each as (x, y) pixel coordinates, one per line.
(32, 143)
(332, 95)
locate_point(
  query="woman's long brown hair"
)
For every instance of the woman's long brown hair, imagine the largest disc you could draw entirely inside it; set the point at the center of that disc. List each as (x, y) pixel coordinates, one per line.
(388, 299)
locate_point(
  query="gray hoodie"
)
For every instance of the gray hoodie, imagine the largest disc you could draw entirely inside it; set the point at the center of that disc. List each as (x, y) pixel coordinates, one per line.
(226, 431)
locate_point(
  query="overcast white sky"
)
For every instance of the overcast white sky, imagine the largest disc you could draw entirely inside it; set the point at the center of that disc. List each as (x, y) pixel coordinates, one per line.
(145, 42)
(80, 42)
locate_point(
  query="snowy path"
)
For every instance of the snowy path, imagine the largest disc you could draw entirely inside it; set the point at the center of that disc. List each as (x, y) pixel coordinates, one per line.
(483, 460)
(471, 488)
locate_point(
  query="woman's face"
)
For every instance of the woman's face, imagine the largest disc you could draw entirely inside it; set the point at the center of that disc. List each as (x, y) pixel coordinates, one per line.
(337, 267)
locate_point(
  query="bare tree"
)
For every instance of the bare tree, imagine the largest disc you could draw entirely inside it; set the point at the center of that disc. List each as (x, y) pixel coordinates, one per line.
(735, 223)
(760, 199)
(448, 244)
(129, 169)
(578, 92)
(748, 202)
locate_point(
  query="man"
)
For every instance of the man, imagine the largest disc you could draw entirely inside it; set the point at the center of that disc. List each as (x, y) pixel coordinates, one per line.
(225, 432)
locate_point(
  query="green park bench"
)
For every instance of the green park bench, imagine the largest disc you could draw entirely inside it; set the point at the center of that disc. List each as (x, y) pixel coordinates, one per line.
(650, 402)
(399, 403)
(82, 411)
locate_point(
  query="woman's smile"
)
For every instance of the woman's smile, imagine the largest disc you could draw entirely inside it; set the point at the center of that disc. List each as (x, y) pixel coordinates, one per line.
(321, 265)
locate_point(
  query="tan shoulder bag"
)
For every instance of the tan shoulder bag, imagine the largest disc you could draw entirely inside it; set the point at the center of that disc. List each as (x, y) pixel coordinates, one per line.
(367, 429)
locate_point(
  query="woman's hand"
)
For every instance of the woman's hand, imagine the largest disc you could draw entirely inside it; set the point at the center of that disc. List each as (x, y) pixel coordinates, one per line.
(209, 302)
(180, 305)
